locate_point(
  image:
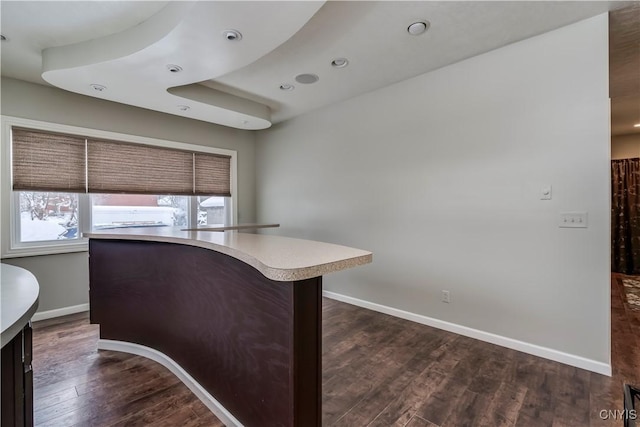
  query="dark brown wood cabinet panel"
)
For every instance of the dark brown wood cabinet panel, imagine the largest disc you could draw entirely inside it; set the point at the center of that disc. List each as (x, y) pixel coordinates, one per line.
(252, 342)
(16, 394)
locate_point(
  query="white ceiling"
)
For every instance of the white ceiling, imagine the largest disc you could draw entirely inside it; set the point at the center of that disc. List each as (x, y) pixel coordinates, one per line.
(126, 46)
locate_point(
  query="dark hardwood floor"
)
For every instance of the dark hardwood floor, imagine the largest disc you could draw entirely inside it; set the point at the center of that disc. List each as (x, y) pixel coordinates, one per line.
(377, 371)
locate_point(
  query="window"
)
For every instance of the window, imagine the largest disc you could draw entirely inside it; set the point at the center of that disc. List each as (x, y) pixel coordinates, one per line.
(59, 181)
(142, 210)
(44, 216)
(213, 211)
(138, 210)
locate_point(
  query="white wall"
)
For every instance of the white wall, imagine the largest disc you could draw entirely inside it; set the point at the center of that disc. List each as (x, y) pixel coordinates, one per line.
(440, 175)
(64, 279)
(625, 146)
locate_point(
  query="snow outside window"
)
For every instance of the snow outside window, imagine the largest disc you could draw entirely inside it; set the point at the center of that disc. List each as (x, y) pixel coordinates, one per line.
(45, 216)
(46, 219)
(141, 210)
(50, 217)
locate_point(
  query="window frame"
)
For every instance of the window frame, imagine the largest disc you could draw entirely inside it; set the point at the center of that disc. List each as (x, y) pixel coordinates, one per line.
(10, 245)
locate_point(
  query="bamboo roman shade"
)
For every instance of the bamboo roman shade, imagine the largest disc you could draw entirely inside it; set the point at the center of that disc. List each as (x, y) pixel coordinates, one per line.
(45, 161)
(212, 174)
(115, 167)
(53, 162)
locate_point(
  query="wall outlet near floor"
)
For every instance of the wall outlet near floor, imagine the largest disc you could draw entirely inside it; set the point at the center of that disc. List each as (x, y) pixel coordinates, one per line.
(446, 297)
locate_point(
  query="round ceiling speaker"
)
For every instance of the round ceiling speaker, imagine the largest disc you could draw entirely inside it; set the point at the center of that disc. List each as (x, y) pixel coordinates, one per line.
(307, 79)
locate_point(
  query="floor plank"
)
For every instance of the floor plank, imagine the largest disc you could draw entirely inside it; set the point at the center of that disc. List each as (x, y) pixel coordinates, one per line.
(377, 371)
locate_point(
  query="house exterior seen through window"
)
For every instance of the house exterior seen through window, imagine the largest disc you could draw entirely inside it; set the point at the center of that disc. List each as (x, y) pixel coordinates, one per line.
(45, 216)
(49, 216)
(59, 181)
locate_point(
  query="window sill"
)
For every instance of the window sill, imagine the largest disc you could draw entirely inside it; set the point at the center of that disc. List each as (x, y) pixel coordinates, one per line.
(29, 251)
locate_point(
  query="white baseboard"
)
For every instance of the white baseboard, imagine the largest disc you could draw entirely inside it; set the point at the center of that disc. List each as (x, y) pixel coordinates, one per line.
(202, 394)
(536, 350)
(50, 314)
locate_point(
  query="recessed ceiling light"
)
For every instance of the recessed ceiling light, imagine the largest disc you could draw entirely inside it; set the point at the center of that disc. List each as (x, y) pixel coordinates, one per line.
(287, 86)
(232, 35)
(418, 28)
(340, 62)
(98, 88)
(307, 79)
(637, 125)
(4, 38)
(184, 107)
(174, 68)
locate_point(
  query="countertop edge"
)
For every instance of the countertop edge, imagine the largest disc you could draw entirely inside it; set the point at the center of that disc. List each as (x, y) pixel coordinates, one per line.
(273, 273)
(315, 271)
(10, 332)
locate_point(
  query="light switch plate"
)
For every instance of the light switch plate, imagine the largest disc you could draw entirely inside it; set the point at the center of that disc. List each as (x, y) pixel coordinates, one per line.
(545, 193)
(573, 220)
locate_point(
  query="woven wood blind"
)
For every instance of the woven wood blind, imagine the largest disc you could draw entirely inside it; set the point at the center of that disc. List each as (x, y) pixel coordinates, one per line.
(212, 174)
(48, 162)
(118, 167)
(44, 161)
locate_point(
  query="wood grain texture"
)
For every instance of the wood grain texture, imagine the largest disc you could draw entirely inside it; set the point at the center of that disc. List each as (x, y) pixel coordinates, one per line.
(12, 383)
(377, 371)
(252, 342)
(76, 385)
(307, 353)
(16, 399)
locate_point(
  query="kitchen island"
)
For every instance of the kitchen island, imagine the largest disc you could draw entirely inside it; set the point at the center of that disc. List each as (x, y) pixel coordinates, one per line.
(236, 316)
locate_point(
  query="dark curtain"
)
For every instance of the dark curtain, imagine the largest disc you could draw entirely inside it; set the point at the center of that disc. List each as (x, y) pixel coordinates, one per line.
(625, 216)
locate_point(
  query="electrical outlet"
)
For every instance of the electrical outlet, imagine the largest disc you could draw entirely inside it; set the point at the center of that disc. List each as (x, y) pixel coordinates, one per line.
(446, 297)
(573, 220)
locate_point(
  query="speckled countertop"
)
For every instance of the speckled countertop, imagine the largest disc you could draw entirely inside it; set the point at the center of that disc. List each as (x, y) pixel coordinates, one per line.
(278, 258)
(19, 293)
